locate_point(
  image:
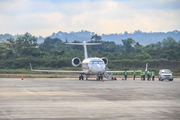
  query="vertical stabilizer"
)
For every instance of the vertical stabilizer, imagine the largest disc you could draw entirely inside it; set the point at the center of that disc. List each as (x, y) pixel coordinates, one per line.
(146, 66)
(85, 49)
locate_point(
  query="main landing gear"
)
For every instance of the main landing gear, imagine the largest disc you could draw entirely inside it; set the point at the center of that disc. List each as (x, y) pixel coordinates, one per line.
(99, 77)
(114, 78)
(81, 77)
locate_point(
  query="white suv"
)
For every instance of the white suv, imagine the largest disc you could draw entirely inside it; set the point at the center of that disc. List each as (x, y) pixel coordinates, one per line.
(165, 74)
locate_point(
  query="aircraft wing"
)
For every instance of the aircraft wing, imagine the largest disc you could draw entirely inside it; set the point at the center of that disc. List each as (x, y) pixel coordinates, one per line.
(123, 71)
(79, 72)
(128, 70)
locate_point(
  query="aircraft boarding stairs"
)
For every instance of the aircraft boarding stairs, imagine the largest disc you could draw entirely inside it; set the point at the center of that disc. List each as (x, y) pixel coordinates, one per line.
(108, 74)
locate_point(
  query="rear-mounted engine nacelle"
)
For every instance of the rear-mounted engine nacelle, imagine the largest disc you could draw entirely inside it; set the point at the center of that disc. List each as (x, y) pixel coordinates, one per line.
(105, 60)
(76, 61)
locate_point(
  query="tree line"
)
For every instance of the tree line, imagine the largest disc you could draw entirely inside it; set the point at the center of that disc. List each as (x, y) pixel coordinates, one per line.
(55, 53)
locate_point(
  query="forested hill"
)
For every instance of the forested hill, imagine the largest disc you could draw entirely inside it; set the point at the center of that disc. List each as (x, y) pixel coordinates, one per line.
(4, 37)
(139, 36)
(144, 38)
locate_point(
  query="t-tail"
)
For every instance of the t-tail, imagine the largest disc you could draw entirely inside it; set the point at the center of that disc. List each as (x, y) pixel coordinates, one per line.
(84, 44)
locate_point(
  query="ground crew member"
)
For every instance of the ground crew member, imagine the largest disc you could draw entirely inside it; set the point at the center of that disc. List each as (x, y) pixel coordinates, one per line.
(134, 73)
(125, 74)
(153, 74)
(141, 73)
(148, 75)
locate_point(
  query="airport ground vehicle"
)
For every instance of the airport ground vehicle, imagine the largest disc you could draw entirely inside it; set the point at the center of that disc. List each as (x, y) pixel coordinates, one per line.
(165, 74)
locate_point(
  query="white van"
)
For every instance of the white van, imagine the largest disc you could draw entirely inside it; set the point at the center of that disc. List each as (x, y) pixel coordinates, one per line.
(165, 74)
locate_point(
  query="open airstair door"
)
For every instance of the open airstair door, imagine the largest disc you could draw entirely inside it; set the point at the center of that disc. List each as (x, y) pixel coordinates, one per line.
(108, 74)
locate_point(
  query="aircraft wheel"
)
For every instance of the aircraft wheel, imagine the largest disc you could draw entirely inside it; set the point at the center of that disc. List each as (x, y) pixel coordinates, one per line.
(79, 77)
(82, 78)
(115, 78)
(99, 78)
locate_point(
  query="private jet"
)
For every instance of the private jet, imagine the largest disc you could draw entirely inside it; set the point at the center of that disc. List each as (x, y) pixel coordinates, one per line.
(90, 65)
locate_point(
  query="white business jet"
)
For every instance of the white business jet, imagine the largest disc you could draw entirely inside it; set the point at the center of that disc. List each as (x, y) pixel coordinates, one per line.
(90, 66)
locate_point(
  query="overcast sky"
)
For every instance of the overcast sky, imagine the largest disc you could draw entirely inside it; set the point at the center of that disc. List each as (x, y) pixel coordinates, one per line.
(43, 17)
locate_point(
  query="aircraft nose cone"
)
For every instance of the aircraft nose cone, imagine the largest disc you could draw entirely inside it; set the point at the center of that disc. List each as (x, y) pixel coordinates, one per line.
(98, 69)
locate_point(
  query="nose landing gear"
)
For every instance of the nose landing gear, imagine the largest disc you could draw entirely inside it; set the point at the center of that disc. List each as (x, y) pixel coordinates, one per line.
(99, 77)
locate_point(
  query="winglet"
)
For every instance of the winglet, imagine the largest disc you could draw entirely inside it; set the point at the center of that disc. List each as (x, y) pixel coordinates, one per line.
(30, 66)
(146, 66)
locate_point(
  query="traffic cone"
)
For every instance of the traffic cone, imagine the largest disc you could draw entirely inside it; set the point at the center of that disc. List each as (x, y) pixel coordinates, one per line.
(102, 79)
(22, 78)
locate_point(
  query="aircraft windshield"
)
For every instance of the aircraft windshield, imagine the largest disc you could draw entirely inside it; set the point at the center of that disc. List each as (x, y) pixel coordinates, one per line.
(166, 71)
(96, 62)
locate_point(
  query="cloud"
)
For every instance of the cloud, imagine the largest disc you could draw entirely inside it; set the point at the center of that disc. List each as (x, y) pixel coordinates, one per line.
(43, 17)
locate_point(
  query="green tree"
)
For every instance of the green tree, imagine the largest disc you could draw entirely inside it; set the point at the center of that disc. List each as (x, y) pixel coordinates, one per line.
(108, 55)
(107, 46)
(138, 48)
(177, 53)
(128, 44)
(168, 42)
(51, 43)
(96, 38)
(23, 45)
(158, 45)
(2, 50)
(143, 56)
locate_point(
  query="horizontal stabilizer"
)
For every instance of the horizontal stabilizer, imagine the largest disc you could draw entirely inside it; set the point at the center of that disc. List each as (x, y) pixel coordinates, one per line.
(83, 43)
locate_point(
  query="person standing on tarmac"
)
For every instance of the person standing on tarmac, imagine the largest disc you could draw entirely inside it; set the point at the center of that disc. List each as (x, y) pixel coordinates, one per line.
(141, 73)
(125, 75)
(134, 73)
(153, 74)
(148, 75)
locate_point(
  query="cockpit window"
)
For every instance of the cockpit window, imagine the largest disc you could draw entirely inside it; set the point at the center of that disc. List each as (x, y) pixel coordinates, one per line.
(96, 62)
